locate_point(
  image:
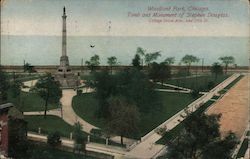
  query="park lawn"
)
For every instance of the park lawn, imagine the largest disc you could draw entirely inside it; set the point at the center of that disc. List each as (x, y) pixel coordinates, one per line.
(42, 151)
(29, 102)
(202, 81)
(52, 123)
(49, 124)
(86, 106)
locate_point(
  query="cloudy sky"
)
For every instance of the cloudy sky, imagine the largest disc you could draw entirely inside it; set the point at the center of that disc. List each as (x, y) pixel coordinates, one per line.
(93, 18)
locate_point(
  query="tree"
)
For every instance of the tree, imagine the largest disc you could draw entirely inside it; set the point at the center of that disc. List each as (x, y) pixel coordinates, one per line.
(216, 69)
(124, 117)
(112, 61)
(54, 139)
(17, 135)
(150, 57)
(136, 62)
(227, 60)
(141, 52)
(49, 90)
(169, 60)
(200, 138)
(188, 60)
(221, 149)
(79, 138)
(93, 62)
(4, 85)
(159, 72)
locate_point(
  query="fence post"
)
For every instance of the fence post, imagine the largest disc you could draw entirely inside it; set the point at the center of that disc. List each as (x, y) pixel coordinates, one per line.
(88, 138)
(71, 136)
(107, 141)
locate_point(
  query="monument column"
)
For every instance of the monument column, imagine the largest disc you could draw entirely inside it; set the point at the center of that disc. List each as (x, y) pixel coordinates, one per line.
(64, 34)
(64, 74)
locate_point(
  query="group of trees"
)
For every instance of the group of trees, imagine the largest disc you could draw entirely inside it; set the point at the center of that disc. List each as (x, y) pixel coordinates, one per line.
(142, 56)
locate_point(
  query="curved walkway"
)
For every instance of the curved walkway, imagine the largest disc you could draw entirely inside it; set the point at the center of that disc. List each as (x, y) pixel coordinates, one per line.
(67, 113)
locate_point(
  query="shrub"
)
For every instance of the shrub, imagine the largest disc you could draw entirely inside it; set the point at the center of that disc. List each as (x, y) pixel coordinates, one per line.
(54, 139)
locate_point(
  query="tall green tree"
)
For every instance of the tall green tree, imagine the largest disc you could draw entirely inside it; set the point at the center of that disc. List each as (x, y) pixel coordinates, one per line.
(216, 69)
(169, 60)
(150, 57)
(227, 60)
(159, 72)
(136, 62)
(200, 139)
(124, 117)
(112, 61)
(141, 52)
(49, 90)
(93, 62)
(79, 138)
(188, 60)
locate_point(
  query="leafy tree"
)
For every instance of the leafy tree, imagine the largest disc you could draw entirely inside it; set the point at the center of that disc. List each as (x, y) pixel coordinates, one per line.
(150, 57)
(216, 69)
(15, 88)
(4, 85)
(93, 62)
(188, 60)
(132, 84)
(79, 138)
(54, 139)
(105, 85)
(49, 90)
(200, 138)
(112, 61)
(227, 60)
(136, 86)
(124, 117)
(141, 52)
(18, 142)
(221, 149)
(159, 72)
(169, 60)
(136, 62)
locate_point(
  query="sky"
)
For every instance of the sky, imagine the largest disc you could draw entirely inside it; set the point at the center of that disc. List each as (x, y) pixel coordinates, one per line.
(94, 17)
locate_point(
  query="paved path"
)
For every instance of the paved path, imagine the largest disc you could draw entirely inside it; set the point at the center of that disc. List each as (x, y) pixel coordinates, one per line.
(69, 114)
(174, 86)
(28, 84)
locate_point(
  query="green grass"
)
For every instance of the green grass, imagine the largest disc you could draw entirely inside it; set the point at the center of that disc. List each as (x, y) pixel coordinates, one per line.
(54, 123)
(42, 151)
(29, 102)
(49, 125)
(234, 82)
(173, 133)
(223, 91)
(199, 82)
(243, 148)
(86, 107)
